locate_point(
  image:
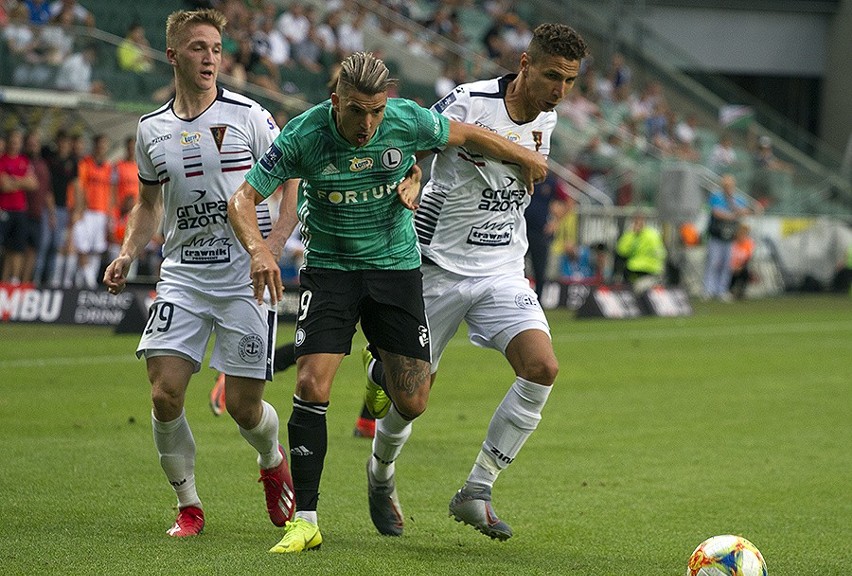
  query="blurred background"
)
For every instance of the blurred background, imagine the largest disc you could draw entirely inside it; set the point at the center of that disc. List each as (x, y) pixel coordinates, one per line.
(675, 94)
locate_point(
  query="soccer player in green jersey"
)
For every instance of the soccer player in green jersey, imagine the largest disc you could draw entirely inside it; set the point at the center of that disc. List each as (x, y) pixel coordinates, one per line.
(361, 256)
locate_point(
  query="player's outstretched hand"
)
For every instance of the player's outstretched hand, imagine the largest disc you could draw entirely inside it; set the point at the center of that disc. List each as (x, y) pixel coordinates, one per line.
(115, 276)
(409, 189)
(265, 274)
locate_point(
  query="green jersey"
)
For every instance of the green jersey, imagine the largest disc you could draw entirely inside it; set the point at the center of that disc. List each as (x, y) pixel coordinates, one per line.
(350, 214)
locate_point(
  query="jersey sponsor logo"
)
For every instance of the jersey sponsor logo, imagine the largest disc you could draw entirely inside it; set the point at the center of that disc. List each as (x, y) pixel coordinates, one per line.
(536, 134)
(190, 138)
(270, 122)
(271, 157)
(218, 133)
(161, 138)
(360, 164)
(356, 196)
(502, 199)
(444, 102)
(481, 125)
(391, 158)
(423, 336)
(491, 234)
(206, 251)
(201, 214)
(513, 137)
(526, 300)
(251, 348)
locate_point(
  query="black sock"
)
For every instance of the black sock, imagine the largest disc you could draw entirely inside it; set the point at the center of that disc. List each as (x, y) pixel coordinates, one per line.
(285, 356)
(377, 373)
(308, 444)
(366, 413)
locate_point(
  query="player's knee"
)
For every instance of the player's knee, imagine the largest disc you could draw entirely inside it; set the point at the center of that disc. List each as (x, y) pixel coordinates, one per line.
(167, 403)
(543, 372)
(411, 407)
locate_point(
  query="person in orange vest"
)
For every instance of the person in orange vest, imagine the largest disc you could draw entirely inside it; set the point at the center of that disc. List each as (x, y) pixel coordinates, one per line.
(741, 252)
(126, 177)
(92, 212)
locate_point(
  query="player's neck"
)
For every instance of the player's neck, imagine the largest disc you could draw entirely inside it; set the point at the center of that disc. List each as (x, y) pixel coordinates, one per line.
(519, 107)
(191, 103)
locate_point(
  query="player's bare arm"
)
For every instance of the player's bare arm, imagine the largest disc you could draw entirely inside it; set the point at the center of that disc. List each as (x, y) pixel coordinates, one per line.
(533, 165)
(264, 267)
(287, 218)
(141, 225)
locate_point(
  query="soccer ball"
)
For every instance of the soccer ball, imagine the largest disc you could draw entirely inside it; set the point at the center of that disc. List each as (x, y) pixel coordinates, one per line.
(726, 556)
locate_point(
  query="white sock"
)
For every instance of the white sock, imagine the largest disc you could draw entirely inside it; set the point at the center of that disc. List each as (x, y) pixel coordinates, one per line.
(392, 433)
(176, 448)
(513, 422)
(70, 271)
(264, 438)
(90, 272)
(58, 271)
(309, 515)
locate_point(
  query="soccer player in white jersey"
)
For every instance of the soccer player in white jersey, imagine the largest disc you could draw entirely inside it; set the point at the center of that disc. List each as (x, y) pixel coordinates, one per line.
(192, 153)
(472, 234)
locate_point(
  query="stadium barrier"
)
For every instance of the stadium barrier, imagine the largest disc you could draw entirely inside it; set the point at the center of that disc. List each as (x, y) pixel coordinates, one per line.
(601, 301)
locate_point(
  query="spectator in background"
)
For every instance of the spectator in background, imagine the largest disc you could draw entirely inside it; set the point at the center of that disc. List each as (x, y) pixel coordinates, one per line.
(723, 157)
(350, 34)
(39, 11)
(132, 53)
(641, 246)
(742, 251)
(57, 38)
(272, 48)
(75, 73)
(82, 17)
(548, 206)
(62, 164)
(765, 158)
(92, 212)
(619, 72)
(294, 24)
(39, 206)
(126, 177)
(726, 211)
(16, 179)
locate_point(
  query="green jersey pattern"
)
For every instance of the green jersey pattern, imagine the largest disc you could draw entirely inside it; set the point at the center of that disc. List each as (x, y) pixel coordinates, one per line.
(350, 214)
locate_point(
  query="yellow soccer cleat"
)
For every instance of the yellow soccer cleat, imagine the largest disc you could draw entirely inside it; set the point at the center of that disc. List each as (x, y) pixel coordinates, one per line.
(375, 399)
(299, 535)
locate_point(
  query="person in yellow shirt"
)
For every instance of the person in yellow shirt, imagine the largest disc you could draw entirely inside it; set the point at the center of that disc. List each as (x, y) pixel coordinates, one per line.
(644, 253)
(132, 53)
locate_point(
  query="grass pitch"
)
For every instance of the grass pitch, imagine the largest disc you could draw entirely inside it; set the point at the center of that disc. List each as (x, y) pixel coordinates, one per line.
(660, 433)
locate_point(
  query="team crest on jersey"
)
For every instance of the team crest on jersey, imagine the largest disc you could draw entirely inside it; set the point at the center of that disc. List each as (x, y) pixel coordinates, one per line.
(360, 164)
(536, 134)
(391, 158)
(526, 300)
(251, 348)
(190, 138)
(218, 133)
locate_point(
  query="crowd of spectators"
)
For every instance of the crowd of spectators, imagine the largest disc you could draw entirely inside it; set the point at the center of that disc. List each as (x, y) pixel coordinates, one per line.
(617, 122)
(63, 209)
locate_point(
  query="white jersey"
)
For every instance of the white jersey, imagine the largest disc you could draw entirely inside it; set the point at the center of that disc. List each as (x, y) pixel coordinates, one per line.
(471, 215)
(200, 163)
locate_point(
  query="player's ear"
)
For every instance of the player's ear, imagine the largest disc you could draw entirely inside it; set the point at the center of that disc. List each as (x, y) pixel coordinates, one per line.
(170, 55)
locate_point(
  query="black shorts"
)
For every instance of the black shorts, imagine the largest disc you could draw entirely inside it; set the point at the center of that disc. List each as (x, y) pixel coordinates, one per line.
(389, 304)
(14, 231)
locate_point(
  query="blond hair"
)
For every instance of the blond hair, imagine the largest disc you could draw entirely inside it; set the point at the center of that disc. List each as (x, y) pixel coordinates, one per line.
(363, 72)
(178, 23)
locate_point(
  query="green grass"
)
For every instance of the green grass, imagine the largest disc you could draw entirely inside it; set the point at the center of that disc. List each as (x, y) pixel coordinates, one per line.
(659, 434)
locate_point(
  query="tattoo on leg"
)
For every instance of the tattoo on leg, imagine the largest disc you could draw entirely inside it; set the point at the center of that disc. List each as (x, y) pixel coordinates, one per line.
(405, 374)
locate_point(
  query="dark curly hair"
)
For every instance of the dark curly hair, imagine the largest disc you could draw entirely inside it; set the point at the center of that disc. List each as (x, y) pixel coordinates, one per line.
(557, 40)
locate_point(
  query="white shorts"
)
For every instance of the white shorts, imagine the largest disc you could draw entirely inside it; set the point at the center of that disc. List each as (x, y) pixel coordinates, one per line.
(181, 325)
(496, 309)
(90, 233)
